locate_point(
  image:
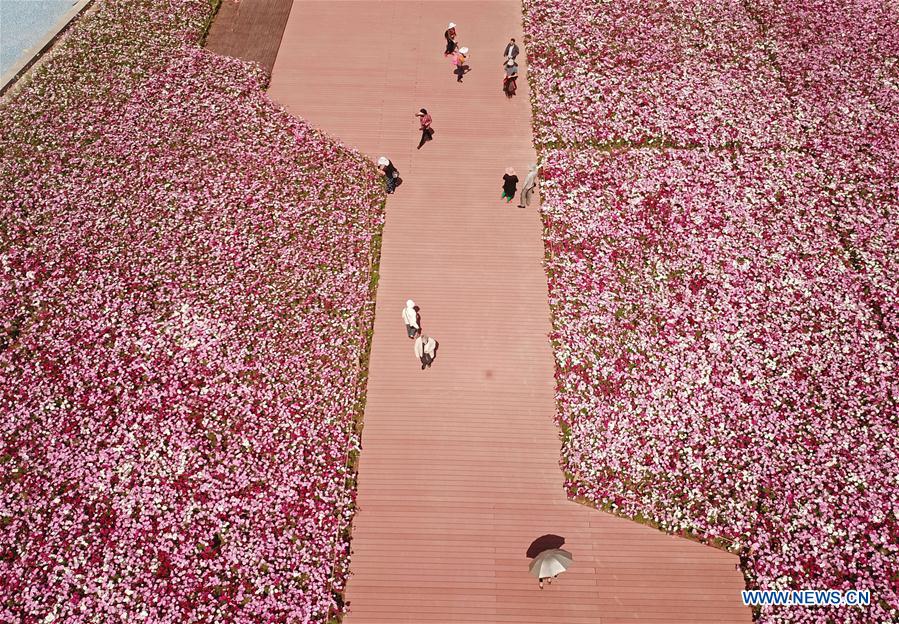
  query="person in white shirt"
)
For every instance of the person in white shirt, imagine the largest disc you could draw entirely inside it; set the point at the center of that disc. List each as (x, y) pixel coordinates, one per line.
(425, 350)
(410, 318)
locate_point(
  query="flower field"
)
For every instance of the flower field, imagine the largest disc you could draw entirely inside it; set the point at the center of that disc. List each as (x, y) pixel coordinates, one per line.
(840, 62)
(720, 203)
(185, 296)
(682, 72)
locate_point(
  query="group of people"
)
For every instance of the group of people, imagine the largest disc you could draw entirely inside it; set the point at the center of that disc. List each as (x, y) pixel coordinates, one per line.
(510, 78)
(459, 55)
(510, 186)
(460, 60)
(510, 68)
(424, 347)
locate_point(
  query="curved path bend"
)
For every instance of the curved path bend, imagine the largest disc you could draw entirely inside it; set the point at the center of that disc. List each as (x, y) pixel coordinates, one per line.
(460, 463)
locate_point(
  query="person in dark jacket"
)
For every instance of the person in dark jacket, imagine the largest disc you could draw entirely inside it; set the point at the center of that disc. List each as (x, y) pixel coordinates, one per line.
(450, 36)
(510, 184)
(390, 173)
(511, 51)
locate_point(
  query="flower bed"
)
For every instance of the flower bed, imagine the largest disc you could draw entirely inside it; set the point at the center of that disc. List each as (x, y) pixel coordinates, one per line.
(185, 292)
(840, 62)
(710, 340)
(723, 277)
(682, 72)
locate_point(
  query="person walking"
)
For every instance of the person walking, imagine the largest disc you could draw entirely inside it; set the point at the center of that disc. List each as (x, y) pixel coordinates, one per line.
(510, 77)
(546, 578)
(390, 173)
(461, 58)
(410, 318)
(527, 190)
(425, 350)
(549, 564)
(427, 132)
(450, 36)
(510, 185)
(511, 51)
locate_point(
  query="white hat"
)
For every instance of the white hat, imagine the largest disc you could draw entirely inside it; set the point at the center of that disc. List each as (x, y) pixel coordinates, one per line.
(463, 50)
(451, 25)
(383, 161)
(410, 303)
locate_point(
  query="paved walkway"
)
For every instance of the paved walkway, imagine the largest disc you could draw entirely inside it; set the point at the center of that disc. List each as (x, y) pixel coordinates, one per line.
(460, 463)
(249, 29)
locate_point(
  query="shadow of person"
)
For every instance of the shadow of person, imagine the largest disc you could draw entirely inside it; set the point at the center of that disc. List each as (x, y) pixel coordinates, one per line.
(436, 349)
(544, 542)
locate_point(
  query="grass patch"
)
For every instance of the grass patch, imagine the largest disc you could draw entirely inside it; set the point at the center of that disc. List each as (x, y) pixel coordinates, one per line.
(215, 5)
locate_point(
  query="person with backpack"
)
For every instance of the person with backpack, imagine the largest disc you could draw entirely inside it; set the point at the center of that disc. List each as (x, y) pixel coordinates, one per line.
(427, 132)
(425, 350)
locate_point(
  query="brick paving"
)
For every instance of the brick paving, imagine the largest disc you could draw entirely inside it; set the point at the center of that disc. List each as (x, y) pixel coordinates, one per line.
(249, 29)
(460, 464)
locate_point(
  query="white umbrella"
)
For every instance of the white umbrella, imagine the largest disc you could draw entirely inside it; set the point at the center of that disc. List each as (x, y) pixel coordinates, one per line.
(550, 562)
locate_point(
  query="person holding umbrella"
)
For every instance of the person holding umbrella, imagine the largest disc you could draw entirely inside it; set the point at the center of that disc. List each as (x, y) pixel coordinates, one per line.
(549, 564)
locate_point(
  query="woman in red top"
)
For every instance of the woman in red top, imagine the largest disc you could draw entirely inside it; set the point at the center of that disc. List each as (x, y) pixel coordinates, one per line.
(427, 132)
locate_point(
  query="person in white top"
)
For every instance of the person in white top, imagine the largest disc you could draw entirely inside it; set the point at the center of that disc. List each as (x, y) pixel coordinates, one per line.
(425, 350)
(410, 318)
(530, 183)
